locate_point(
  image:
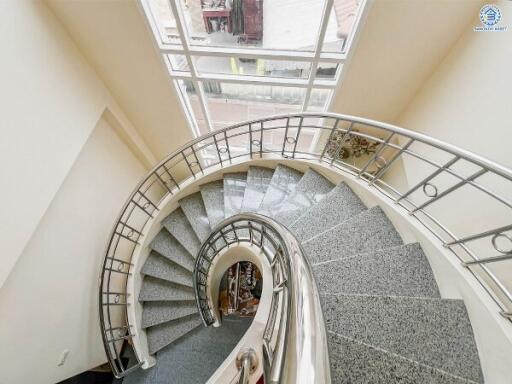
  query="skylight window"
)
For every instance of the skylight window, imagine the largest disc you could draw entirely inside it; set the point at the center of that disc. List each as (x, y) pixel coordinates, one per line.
(238, 60)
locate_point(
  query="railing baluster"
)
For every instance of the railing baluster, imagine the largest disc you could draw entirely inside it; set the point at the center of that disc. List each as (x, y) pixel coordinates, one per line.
(171, 178)
(333, 131)
(297, 137)
(227, 145)
(396, 156)
(450, 190)
(261, 139)
(342, 141)
(250, 140)
(217, 149)
(188, 164)
(285, 136)
(197, 159)
(428, 178)
(162, 182)
(375, 155)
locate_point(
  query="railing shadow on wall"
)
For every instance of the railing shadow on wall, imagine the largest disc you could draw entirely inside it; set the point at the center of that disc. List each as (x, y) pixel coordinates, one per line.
(461, 198)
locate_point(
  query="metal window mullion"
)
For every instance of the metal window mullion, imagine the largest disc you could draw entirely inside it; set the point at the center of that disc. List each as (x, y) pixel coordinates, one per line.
(180, 25)
(253, 53)
(318, 49)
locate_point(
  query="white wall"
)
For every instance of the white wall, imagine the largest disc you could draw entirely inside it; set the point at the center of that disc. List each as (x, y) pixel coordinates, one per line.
(49, 302)
(50, 101)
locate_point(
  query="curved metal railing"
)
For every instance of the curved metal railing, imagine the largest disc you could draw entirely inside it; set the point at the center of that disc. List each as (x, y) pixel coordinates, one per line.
(294, 340)
(461, 198)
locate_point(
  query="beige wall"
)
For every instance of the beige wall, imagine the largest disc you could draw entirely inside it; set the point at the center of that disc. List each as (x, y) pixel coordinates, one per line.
(51, 100)
(466, 102)
(49, 302)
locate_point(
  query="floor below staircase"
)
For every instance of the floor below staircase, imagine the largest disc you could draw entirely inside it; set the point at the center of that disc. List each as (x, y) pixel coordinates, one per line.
(183, 362)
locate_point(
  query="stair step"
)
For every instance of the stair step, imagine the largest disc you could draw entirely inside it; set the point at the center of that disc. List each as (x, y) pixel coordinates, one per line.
(158, 266)
(178, 225)
(369, 231)
(339, 205)
(154, 289)
(311, 188)
(398, 271)
(194, 210)
(282, 184)
(158, 312)
(164, 334)
(166, 245)
(258, 180)
(434, 332)
(234, 189)
(358, 363)
(213, 199)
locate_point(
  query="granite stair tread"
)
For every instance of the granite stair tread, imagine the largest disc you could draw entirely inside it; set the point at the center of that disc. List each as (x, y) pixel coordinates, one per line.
(355, 362)
(234, 189)
(434, 332)
(158, 312)
(158, 266)
(258, 180)
(368, 231)
(178, 225)
(283, 183)
(397, 271)
(154, 289)
(164, 334)
(166, 245)
(311, 188)
(339, 205)
(213, 199)
(194, 210)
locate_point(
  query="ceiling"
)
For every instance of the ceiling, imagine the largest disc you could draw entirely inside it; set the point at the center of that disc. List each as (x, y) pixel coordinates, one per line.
(400, 45)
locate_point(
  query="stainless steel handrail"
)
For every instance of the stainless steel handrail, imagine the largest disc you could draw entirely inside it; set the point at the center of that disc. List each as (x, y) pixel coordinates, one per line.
(286, 137)
(297, 353)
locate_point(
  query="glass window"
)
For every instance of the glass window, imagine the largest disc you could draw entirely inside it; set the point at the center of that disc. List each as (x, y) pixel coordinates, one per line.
(251, 58)
(318, 99)
(231, 103)
(327, 70)
(178, 63)
(192, 104)
(162, 19)
(341, 24)
(252, 67)
(274, 24)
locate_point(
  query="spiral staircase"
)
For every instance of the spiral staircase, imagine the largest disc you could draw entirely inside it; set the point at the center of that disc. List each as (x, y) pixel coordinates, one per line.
(384, 316)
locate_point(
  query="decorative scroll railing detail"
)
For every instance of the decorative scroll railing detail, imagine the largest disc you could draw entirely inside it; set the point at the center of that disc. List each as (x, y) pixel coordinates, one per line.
(438, 184)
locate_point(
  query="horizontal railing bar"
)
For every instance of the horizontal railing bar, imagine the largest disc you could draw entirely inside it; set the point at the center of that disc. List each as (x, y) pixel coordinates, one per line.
(119, 260)
(117, 293)
(487, 260)
(117, 271)
(118, 328)
(126, 237)
(479, 235)
(126, 337)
